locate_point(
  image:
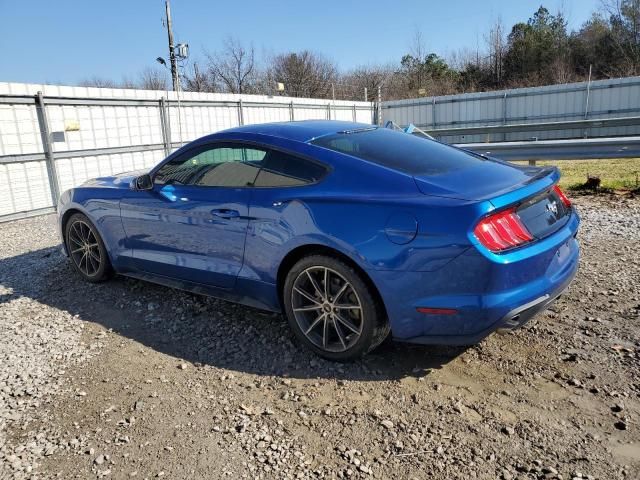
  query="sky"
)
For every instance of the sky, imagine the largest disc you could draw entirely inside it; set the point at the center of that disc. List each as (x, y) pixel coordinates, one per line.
(66, 41)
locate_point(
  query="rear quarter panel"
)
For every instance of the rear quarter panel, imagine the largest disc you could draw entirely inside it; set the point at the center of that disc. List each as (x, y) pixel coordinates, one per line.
(362, 210)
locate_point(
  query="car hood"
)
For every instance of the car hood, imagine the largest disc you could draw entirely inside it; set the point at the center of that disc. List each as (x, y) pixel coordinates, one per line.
(488, 179)
(119, 180)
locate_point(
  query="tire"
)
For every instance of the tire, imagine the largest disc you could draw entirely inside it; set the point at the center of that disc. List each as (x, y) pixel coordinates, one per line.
(338, 322)
(86, 249)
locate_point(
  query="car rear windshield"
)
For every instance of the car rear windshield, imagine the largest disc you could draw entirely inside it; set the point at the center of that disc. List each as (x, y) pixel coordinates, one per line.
(400, 151)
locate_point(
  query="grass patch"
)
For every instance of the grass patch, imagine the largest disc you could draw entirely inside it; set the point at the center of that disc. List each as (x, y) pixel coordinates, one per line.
(614, 173)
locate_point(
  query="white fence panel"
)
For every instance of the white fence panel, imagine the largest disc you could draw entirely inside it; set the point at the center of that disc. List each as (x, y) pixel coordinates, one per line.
(305, 112)
(27, 185)
(344, 114)
(99, 132)
(364, 115)
(191, 122)
(19, 132)
(74, 171)
(280, 112)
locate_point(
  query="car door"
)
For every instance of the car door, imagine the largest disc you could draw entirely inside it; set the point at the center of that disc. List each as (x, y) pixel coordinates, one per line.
(192, 224)
(278, 210)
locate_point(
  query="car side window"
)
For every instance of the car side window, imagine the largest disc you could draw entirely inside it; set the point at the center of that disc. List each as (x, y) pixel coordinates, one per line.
(282, 170)
(213, 166)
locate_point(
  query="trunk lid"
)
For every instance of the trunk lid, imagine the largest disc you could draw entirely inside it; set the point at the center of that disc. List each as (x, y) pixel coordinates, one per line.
(482, 181)
(536, 203)
(529, 190)
(544, 213)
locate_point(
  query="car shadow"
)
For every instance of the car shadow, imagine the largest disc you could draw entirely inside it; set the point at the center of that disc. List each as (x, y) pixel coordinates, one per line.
(197, 329)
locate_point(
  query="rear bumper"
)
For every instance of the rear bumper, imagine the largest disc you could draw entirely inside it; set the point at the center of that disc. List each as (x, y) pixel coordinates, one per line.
(486, 295)
(512, 320)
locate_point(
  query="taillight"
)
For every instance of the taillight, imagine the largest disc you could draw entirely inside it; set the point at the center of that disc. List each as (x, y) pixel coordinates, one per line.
(562, 196)
(502, 230)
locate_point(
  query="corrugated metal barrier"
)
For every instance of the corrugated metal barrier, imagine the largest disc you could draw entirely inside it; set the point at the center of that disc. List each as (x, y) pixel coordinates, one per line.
(539, 113)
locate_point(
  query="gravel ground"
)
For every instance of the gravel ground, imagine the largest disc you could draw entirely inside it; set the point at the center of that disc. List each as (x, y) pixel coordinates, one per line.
(131, 380)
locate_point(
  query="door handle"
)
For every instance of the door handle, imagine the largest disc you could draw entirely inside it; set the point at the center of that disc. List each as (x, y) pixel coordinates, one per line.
(225, 213)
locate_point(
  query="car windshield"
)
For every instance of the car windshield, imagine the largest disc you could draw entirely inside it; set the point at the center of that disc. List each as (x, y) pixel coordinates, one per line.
(400, 151)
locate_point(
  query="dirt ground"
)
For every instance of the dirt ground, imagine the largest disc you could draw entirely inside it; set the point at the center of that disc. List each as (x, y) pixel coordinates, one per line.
(130, 380)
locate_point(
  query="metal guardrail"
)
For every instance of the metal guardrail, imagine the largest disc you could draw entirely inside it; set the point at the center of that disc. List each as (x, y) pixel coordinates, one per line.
(577, 149)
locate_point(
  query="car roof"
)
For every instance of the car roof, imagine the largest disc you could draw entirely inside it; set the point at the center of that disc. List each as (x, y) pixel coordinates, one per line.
(301, 131)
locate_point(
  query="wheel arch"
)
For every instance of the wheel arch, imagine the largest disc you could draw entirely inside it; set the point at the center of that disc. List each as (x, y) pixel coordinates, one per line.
(63, 224)
(293, 256)
(68, 213)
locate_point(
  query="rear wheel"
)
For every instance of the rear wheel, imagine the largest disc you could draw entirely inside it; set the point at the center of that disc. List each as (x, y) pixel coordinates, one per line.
(86, 249)
(332, 310)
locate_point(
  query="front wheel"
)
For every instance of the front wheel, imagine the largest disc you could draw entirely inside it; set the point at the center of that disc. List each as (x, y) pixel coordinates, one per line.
(86, 249)
(332, 310)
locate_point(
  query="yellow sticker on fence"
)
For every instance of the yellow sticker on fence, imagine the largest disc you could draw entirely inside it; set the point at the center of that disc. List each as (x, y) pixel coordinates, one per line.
(71, 125)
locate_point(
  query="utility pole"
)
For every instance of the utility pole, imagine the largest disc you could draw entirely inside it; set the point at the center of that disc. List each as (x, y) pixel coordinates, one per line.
(196, 76)
(379, 105)
(172, 53)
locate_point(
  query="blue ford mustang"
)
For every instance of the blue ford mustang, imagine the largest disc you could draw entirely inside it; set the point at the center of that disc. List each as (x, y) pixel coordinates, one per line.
(352, 231)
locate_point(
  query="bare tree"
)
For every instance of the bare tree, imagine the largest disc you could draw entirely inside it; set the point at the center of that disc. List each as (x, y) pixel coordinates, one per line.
(304, 74)
(461, 57)
(624, 18)
(417, 49)
(128, 82)
(353, 83)
(197, 80)
(234, 66)
(415, 78)
(152, 79)
(497, 45)
(425, 73)
(562, 67)
(562, 71)
(99, 82)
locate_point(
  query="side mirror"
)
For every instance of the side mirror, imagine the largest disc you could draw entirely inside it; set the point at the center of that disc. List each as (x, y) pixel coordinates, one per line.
(143, 182)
